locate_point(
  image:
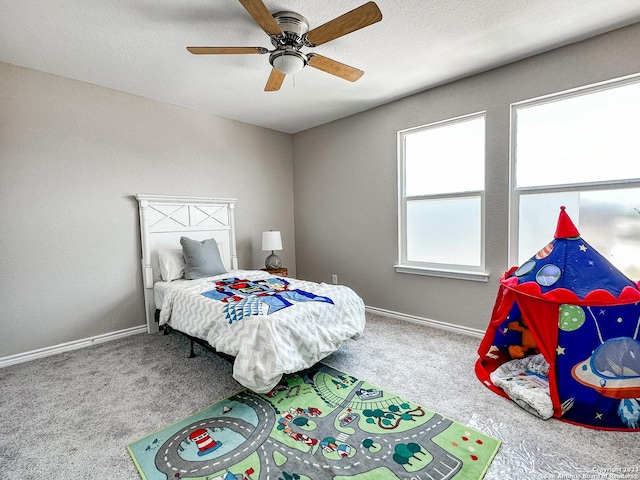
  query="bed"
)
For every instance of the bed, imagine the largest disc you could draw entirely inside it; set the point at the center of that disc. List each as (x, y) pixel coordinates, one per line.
(269, 325)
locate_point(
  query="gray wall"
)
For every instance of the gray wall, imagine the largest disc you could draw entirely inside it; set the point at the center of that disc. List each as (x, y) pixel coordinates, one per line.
(345, 179)
(71, 157)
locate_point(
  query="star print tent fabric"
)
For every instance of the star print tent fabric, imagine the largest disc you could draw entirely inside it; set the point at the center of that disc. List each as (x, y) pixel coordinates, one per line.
(584, 316)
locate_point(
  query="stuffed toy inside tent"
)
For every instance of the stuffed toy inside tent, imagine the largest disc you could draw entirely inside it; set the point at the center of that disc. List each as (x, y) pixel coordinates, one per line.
(563, 339)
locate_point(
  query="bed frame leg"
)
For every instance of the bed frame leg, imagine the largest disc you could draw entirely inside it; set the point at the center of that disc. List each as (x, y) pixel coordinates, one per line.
(192, 354)
(165, 327)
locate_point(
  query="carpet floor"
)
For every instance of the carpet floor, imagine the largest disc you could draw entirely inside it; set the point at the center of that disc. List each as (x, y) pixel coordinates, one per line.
(71, 415)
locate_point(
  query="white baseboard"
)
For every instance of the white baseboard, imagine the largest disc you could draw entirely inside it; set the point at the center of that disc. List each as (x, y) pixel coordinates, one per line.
(67, 347)
(473, 332)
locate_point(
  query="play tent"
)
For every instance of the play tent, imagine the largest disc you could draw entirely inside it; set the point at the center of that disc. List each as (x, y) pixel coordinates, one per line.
(584, 316)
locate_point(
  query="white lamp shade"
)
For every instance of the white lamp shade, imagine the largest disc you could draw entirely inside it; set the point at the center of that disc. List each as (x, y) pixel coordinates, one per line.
(288, 62)
(271, 241)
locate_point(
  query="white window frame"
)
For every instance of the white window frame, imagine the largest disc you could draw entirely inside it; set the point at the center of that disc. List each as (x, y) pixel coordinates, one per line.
(462, 272)
(516, 192)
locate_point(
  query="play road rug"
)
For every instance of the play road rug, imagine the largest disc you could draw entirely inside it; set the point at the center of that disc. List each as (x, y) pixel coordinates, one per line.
(315, 425)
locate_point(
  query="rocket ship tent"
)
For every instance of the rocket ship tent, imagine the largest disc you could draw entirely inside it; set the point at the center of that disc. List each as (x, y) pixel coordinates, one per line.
(584, 317)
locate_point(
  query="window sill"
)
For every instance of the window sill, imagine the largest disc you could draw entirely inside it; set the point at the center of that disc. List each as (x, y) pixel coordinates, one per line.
(443, 273)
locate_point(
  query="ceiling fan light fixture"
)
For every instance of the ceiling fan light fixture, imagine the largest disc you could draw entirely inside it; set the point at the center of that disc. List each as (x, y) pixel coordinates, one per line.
(288, 61)
(289, 33)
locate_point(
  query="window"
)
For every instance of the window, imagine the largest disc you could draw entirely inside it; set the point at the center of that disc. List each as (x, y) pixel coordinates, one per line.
(580, 149)
(441, 198)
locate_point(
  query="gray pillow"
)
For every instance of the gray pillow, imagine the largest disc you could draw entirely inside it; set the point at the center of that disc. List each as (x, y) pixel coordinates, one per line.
(202, 259)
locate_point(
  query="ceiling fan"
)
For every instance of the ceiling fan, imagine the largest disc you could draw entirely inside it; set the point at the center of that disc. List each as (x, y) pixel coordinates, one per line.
(289, 32)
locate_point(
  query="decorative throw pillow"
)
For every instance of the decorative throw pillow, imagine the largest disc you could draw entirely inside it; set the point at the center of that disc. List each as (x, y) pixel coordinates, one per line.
(202, 259)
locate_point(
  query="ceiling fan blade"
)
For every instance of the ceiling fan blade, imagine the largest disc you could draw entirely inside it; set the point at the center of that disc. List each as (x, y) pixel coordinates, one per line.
(275, 81)
(334, 68)
(361, 17)
(262, 16)
(225, 50)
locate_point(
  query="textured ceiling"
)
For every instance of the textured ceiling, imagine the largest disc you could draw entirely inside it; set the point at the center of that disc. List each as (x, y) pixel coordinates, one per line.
(138, 46)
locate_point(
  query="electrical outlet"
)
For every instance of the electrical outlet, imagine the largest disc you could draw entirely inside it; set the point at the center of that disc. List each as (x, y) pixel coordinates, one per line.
(334, 279)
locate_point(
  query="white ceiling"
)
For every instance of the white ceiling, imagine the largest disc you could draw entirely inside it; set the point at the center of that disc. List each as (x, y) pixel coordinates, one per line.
(138, 46)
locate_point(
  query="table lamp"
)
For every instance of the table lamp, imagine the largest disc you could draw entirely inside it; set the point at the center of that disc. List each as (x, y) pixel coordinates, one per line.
(271, 241)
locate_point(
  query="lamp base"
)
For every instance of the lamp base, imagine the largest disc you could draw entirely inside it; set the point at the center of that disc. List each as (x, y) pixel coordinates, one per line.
(273, 262)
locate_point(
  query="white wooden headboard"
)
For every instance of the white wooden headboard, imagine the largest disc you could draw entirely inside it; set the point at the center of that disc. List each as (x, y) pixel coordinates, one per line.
(164, 219)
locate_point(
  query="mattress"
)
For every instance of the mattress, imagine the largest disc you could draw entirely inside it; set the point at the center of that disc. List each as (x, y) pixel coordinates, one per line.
(160, 289)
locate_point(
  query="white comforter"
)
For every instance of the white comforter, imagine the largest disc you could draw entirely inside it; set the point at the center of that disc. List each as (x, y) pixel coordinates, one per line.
(266, 343)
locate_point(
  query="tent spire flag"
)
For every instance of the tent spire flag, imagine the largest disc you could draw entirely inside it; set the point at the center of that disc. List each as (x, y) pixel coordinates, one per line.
(565, 227)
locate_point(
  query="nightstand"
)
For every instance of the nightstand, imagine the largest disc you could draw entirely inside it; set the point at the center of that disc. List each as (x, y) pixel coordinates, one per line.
(281, 272)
